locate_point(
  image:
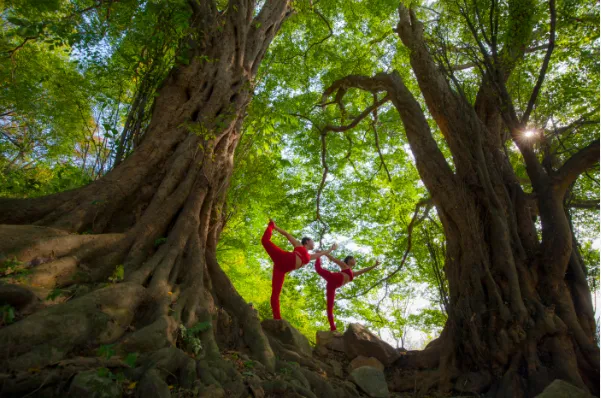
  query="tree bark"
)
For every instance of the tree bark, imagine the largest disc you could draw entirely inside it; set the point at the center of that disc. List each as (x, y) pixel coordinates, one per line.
(158, 214)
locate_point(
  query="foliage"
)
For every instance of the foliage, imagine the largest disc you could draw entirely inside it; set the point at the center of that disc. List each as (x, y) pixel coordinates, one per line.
(118, 274)
(8, 314)
(190, 336)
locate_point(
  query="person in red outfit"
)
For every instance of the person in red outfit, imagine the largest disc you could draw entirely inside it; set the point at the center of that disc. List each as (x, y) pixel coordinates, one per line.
(284, 262)
(337, 279)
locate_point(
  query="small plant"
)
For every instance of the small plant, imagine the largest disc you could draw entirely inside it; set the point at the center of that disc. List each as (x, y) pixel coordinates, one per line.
(106, 373)
(131, 359)
(7, 312)
(190, 336)
(159, 242)
(14, 268)
(118, 274)
(191, 342)
(56, 293)
(106, 351)
(249, 364)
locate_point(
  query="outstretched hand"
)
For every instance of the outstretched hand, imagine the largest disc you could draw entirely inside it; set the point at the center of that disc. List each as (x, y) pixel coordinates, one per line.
(334, 247)
(271, 221)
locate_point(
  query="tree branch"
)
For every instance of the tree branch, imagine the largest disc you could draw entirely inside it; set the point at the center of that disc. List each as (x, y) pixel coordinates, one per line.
(359, 118)
(576, 165)
(469, 65)
(415, 220)
(581, 121)
(592, 204)
(544, 67)
(374, 124)
(330, 34)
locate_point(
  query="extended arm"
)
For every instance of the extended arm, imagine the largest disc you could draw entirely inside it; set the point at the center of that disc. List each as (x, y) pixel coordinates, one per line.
(324, 252)
(364, 270)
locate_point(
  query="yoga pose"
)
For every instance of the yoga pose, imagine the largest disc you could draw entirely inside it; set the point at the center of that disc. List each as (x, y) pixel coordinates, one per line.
(337, 279)
(284, 262)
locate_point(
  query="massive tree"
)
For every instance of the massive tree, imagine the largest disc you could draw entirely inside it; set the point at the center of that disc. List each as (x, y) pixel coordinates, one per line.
(152, 222)
(520, 311)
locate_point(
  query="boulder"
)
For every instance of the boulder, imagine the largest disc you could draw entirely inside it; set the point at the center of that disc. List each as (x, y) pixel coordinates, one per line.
(562, 389)
(330, 340)
(360, 341)
(91, 384)
(336, 367)
(371, 381)
(152, 385)
(365, 361)
(282, 331)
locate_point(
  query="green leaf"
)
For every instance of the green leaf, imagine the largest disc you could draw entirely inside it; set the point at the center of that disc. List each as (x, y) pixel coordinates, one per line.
(106, 351)
(131, 359)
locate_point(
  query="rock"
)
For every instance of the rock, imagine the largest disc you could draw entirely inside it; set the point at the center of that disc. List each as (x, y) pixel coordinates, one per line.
(321, 387)
(337, 368)
(360, 341)
(212, 391)
(371, 381)
(364, 361)
(329, 340)
(91, 384)
(284, 332)
(349, 389)
(321, 351)
(256, 390)
(562, 389)
(152, 385)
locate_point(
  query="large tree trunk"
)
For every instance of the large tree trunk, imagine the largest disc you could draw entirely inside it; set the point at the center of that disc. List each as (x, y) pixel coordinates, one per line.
(520, 311)
(159, 214)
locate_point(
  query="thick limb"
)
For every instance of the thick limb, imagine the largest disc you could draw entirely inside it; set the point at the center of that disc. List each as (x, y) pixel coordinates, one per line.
(330, 294)
(277, 283)
(334, 280)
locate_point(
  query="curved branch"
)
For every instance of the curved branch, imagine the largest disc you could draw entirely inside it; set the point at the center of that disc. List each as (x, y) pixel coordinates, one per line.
(326, 169)
(374, 125)
(372, 84)
(427, 203)
(544, 67)
(359, 117)
(576, 165)
(330, 34)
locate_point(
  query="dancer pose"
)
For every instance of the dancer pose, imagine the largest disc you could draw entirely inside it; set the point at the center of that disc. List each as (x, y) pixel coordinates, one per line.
(284, 262)
(337, 279)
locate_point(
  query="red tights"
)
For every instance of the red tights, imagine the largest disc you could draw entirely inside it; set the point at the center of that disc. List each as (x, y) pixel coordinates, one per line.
(283, 262)
(334, 281)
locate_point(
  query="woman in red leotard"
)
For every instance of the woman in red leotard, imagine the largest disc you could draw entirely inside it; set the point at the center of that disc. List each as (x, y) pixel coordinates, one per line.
(284, 262)
(337, 279)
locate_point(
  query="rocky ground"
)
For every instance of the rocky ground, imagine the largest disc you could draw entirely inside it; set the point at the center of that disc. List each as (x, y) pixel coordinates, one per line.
(354, 364)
